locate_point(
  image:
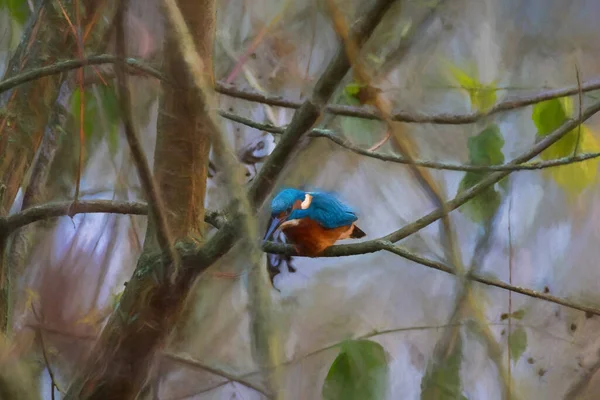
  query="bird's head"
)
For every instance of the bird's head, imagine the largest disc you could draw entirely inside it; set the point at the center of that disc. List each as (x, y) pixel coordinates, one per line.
(284, 204)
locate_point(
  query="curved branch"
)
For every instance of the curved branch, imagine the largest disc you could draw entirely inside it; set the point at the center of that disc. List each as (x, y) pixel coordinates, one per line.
(347, 111)
(67, 208)
(343, 142)
(384, 245)
(68, 65)
(411, 117)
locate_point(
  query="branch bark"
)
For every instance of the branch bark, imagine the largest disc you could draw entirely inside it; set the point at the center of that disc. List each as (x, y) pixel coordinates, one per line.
(153, 300)
(310, 111)
(149, 307)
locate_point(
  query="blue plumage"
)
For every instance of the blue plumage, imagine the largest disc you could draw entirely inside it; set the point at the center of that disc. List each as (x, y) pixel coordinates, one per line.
(285, 200)
(312, 221)
(324, 208)
(327, 210)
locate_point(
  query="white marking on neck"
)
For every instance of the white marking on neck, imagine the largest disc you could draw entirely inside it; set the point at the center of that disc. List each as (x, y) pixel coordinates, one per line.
(307, 200)
(289, 224)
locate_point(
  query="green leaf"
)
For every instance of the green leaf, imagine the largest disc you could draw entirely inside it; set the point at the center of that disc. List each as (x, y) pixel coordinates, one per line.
(482, 207)
(573, 178)
(360, 372)
(484, 149)
(443, 381)
(110, 105)
(518, 343)
(351, 91)
(549, 115)
(482, 96)
(18, 9)
(360, 131)
(91, 113)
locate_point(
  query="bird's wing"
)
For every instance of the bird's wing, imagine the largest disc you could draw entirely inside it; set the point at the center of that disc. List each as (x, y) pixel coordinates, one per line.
(328, 211)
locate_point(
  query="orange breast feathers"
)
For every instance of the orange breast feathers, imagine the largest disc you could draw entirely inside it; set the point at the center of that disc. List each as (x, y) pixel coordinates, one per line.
(311, 238)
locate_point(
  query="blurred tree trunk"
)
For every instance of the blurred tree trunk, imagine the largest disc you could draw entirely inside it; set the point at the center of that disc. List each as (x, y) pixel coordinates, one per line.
(183, 136)
(150, 306)
(27, 108)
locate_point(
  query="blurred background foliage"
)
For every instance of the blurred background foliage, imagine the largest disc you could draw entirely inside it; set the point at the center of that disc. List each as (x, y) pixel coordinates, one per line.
(359, 327)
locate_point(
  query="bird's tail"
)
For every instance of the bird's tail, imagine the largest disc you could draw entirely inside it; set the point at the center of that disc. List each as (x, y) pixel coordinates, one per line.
(357, 233)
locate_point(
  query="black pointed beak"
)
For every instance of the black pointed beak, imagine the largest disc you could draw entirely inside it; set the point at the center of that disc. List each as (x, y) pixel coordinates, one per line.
(275, 222)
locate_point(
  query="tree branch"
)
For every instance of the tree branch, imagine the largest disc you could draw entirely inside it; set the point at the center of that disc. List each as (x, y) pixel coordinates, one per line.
(190, 362)
(345, 143)
(156, 207)
(363, 112)
(67, 208)
(309, 112)
(68, 65)
(371, 246)
(411, 117)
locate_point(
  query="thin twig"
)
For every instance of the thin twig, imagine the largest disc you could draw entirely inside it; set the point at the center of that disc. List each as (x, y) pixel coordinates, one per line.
(510, 271)
(68, 65)
(415, 117)
(345, 143)
(188, 361)
(348, 111)
(45, 355)
(488, 281)
(580, 108)
(163, 234)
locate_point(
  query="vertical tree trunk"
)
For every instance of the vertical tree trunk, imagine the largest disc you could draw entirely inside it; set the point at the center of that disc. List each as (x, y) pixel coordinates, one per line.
(183, 140)
(148, 310)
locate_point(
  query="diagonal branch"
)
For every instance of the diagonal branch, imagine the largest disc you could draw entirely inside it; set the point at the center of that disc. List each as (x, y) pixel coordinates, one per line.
(488, 281)
(310, 111)
(190, 362)
(371, 246)
(163, 233)
(345, 143)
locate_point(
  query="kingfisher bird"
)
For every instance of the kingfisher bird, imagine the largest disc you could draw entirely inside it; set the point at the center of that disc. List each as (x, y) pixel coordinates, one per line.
(312, 221)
